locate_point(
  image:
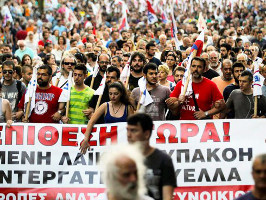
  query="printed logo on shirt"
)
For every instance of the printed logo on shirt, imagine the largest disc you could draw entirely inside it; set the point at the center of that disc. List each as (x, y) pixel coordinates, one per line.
(44, 96)
(41, 107)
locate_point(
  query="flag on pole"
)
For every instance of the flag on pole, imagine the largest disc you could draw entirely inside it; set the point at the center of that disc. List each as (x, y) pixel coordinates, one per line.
(174, 29)
(257, 83)
(68, 86)
(100, 89)
(152, 18)
(31, 90)
(145, 97)
(6, 15)
(201, 23)
(70, 17)
(124, 23)
(164, 16)
(125, 73)
(197, 46)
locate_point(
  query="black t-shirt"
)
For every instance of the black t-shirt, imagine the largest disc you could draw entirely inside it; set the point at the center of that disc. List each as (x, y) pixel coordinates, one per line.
(156, 61)
(210, 74)
(96, 82)
(120, 43)
(227, 91)
(160, 172)
(133, 82)
(247, 196)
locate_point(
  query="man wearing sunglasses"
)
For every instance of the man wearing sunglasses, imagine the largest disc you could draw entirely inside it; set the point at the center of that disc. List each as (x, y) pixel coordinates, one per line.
(49, 100)
(68, 64)
(12, 89)
(259, 177)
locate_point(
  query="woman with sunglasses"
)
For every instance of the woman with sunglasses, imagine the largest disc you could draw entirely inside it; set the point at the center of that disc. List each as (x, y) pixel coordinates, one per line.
(116, 110)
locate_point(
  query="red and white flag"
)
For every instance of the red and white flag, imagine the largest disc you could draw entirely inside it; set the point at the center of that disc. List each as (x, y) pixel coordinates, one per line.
(201, 23)
(100, 89)
(124, 23)
(152, 18)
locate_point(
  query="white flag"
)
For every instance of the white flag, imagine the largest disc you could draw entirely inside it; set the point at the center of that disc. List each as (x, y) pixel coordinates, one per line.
(125, 73)
(257, 83)
(185, 77)
(145, 97)
(68, 85)
(100, 89)
(31, 90)
(201, 23)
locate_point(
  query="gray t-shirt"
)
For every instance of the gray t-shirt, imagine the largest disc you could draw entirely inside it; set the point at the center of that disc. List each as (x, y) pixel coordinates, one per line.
(156, 109)
(243, 105)
(10, 93)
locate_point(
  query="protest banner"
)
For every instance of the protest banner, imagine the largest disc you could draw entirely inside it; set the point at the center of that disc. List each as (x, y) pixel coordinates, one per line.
(212, 158)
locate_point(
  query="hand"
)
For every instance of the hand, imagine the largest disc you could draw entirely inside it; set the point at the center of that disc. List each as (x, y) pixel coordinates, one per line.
(88, 112)
(181, 98)
(65, 119)
(8, 123)
(84, 146)
(24, 120)
(56, 116)
(17, 115)
(199, 114)
(170, 101)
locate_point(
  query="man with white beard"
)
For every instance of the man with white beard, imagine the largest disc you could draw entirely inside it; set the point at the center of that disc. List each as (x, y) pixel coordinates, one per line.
(123, 170)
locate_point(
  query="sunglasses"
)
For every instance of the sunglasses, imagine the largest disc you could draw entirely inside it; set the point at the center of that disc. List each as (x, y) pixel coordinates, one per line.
(69, 63)
(8, 71)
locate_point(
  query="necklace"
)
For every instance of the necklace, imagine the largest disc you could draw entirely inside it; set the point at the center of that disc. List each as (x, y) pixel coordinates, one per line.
(117, 109)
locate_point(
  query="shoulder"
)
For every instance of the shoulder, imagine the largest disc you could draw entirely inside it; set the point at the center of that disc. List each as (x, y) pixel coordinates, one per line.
(5, 102)
(135, 90)
(56, 89)
(247, 196)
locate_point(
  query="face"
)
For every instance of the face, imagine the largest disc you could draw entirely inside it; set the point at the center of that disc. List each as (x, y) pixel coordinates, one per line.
(27, 60)
(119, 53)
(223, 52)
(27, 75)
(68, 64)
(43, 78)
(151, 76)
(89, 47)
(151, 51)
(244, 83)
(97, 50)
(246, 45)
(259, 174)
(103, 62)
(115, 62)
(197, 69)
(227, 70)
(253, 50)
(6, 50)
(21, 46)
(8, 73)
(135, 133)
(127, 179)
(51, 60)
(74, 44)
(125, 60)
(137, 64)
(111, 77)
(79, 77)
(237, 71)
(114, 95)
(162, 75)
(210, 48)
(178, 76)
(170, 61)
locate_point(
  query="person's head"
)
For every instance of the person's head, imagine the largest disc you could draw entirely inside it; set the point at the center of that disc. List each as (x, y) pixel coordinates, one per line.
(243, 58)
(8, 68)
(213, 59)
(197, 68)
(116, 61)
(103, 62)
(7, 49)
(259, 35)
(26, 60)
(237, 69)
(45, 35)
(21, 44)
(49, 59)
(124, 35)
(119, 52)
(97, 50)
(227, 69)
(259, 172)
(48, 46)
(163, 71)
(68, 63)
(27, 73)
(73, 43)
(118, 93)
(137, 62)
(17, 73)
(113, 47)
(123, 171)
(44, 75)
(150, 71)
(115, 35)
(245, 81)
(79, 74)
(255, 51)
(151, 49)
(61, 40)
(247, 45)
(112, 75)
(89, 47)
(178, 73)
(210, 48)
(162, 39)
(206, 57)
(80, 58)
(171, 60)
(139, 128)
(225, 50)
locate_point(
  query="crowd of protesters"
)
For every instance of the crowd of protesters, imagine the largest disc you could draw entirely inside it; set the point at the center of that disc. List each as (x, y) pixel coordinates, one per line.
(31, 36)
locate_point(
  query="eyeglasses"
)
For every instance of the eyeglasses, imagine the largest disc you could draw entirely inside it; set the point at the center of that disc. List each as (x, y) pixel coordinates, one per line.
(69, 63)
(104, 62)
(8, 71)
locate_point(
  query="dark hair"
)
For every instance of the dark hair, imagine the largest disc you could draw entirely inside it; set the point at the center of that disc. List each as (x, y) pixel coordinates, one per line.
(247, 73)
(72, 40)
(113, 44)
(113, 69)
(144, 120)
(6, 56)
(47, 57)
(81, 57)
(118, 58)
(149, 45)
(92, 56)
(81, 67)
(22, 60)
(200, 59)
(18, 70)
(238, 64)
(8, 63)
(227, 46)
(126, 55)
(121, 88)
(64, 39)
(24, 67)
(47, 67)
(179, 68)
(148, 66)
(47, 44)
(140, 55)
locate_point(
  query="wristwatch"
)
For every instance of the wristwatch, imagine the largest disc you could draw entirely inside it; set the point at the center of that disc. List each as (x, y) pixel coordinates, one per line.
(206, 113)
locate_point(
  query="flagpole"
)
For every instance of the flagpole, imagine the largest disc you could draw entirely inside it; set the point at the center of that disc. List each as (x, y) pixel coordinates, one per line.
(126, 84)
(255, 106)
(189, 73)
(28, 109)
(57, 80)
(67, 108)
(98, 102)
(138, 106)
(92, 82)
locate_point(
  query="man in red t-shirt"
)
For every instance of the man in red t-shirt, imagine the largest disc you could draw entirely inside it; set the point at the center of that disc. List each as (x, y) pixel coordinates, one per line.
(49, 100)
(209, 100)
